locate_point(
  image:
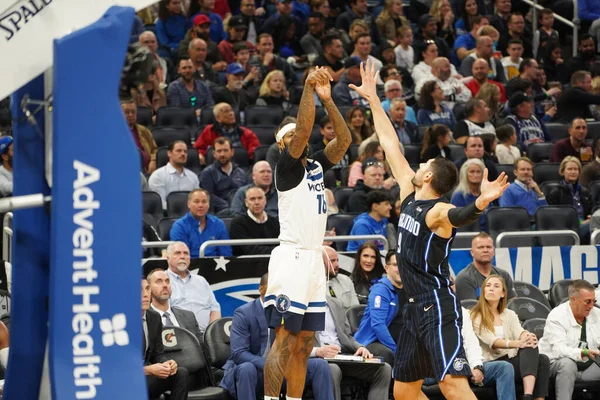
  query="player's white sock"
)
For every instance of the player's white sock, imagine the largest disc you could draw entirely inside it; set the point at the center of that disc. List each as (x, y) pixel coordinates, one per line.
(292, 398)
(271, 398)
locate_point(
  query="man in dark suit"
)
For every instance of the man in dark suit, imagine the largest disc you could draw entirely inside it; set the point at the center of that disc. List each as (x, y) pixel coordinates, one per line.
(160, 291)
(161, 373)
(249, 338)
(377, 376)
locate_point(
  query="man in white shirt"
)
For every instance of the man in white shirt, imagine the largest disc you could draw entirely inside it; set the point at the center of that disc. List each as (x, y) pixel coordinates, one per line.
(160, 291)
(454, 90)
(6, 170)
(174, 177)
(571, 339)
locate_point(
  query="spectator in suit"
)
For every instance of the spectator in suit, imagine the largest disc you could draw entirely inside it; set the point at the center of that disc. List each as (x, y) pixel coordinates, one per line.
(435, 142)
(500, 19)
(197, 226)
(340, 285)
(469, 280)
(367, 270)
(563, 342)
(189, 291)
(162, 374)
(574, 145)
(142, 138)
(188, 91)
(591, 172)
(223, 175)
(6, 170)
(251, 340)
(160, 291)
(226, 127)
(173, 177)
(385, 300)
(256, 224)
(577, 99)
(373, 222)
(373, 172)
(524, 191)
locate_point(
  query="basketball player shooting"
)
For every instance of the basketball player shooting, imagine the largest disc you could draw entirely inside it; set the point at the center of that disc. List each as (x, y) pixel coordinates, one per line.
(295, 299)
(430, 343)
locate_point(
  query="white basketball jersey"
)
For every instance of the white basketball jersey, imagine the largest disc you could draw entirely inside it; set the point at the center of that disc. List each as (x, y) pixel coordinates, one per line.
(303, 209)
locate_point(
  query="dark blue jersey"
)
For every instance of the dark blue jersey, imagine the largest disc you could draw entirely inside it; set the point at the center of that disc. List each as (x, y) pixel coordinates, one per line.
(422, 255)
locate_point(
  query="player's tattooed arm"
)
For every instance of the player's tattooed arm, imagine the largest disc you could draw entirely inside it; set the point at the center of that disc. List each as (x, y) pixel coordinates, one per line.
(335, 150)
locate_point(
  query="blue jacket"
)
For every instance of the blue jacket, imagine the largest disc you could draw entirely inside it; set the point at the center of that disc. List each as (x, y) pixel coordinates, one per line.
(381, 309)
(589, 10)
(219, 184)
(172, 31)
(186, 229)
(364, 224)
(516, 196)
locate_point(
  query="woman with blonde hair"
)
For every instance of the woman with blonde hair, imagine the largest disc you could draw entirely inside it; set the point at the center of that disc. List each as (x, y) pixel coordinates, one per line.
(273, 91)
(502, 337)
(390, 19)
(469, 187)
(442, 12)
(491, 95)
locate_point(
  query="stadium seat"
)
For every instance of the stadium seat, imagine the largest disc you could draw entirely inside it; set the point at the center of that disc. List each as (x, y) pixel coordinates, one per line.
(263, 115)
(528, 308)
(508, 169)
(468, 303)
(342, 224)
(557, 131)
(227, 221)
(527, 290)
(165, 135)
(164, 228)
(394, 193)
(593, 130)
(594, 188)
(545, 172)
(546, 187)
(412, 153)
(559, 291)
(320, 113)
(422, 130)
(176, 116)
(503, 219)
(206, 115)
(354, 315)
(177, 204)
(353, 152)
(264, 133)
(556, 218)
(342, 195)
(457, 152)
(260, 153)
(293, 112)
(240, 157)
(183, 347)
(217, 341)
(144, 116)
(535, 325)
(539, 152)
(152, 205)
(192, 163)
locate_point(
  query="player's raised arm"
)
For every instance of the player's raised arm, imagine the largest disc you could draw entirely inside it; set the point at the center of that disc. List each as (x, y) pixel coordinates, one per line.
(306, 113)
(335, 150)
(388, 138)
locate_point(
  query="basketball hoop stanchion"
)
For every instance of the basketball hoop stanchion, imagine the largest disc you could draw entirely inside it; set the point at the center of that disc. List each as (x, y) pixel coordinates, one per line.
(76, 263)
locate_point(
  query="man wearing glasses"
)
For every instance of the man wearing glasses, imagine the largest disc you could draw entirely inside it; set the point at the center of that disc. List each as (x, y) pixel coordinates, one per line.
(571, 339)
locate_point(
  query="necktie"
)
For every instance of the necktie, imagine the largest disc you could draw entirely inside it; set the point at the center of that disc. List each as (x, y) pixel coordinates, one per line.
(167, 318)
(268, 345)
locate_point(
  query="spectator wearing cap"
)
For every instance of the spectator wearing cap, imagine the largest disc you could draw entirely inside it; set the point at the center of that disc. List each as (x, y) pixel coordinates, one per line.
(226, 126)
(142, 137)
(479, 71)
(6, 170)
(311, 42)
(577, 99)
(574, 145)
(170, 25)
(357, 11)
(200, 29)
(188, 91)
(203, 72)
(266, 61)
(236, 29)
(528, 127)
(331, 57)
(205, 7)
(341, 93)
(373, 177)
(252, 19)
(427, 33)
(374, 221)
(484, 50)
(476, 123)
(284, 7)
(234, 92)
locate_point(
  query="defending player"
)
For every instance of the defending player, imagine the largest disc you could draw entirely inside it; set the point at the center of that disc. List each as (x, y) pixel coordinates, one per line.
(295, 299)
(429, 344)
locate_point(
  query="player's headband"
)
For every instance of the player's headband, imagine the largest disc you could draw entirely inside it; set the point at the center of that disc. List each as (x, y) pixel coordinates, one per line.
(283, 131)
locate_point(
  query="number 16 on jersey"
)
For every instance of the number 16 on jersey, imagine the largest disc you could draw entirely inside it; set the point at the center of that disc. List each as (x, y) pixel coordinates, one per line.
(322, 204)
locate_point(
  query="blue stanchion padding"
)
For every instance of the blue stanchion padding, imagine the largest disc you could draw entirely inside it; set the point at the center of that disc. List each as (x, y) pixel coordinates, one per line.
(95, 311)
(30, 255)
